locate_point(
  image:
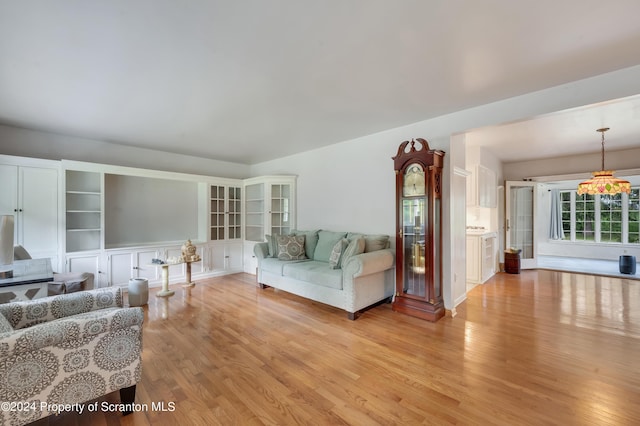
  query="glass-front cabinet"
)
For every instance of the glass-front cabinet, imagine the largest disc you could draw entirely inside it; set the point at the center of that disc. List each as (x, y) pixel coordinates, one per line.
(225, 213)
(269, 205)
(419, 230)
(269, 210)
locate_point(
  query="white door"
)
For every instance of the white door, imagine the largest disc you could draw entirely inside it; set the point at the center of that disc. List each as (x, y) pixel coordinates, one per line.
(520, 216)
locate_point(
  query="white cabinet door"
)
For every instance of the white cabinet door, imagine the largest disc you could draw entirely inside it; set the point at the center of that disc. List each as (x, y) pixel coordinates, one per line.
(234, 256)
(9, 190)
(217, 257)
(250, 261)
(38, 211)
(473, 259)
(120, 268)
(488, 257)
(88, 262)
(30, 194)
(143, 267)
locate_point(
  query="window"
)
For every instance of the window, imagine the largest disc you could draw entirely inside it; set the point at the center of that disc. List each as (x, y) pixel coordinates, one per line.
(633, 217)
(601, 218)
(585, 218)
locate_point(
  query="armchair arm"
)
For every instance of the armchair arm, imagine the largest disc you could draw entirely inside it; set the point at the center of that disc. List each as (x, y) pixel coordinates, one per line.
(75, 281)
(66, 331)
(369, 263)
(27, 313)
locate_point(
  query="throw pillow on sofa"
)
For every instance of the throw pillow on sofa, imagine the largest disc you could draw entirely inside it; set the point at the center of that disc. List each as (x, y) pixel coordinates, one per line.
(326, 241)
(372, 242)
(310, 242)
(337, 252)
(356, 246)
(291, 247)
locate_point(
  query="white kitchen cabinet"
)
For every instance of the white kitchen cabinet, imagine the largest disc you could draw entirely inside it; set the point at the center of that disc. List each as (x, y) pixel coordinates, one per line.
(482, 188)
(487, 187)
(481, 257)
(30, 194)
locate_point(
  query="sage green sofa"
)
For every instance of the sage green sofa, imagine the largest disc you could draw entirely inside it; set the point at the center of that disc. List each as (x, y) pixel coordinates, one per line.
(350, 271)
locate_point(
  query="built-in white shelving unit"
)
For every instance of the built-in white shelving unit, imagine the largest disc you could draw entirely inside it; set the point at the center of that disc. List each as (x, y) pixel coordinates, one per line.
(83, 207)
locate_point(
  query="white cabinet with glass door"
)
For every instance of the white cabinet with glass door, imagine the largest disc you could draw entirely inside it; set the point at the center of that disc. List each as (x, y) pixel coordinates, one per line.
(269, 210)
(223, 253)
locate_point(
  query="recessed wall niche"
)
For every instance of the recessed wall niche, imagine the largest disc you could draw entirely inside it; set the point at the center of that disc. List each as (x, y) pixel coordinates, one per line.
(144, 210)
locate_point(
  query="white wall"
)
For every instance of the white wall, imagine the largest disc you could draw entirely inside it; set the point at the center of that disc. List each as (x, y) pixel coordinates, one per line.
(350, 185)
(36, 144)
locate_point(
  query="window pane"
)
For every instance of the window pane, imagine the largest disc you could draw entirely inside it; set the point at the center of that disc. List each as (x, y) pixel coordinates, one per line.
(565, 204)
(611, 218)
(585, 217)
(634, 215)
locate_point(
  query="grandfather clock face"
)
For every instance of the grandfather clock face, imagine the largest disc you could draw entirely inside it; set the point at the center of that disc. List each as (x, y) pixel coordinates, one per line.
(414, 181)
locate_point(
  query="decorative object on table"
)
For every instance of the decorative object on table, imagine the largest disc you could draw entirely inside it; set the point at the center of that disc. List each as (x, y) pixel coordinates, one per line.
(627, 264)
(603, 182)
(138, 291)
(157, 261)
(6, 246)
(419, 230)
(189, 252)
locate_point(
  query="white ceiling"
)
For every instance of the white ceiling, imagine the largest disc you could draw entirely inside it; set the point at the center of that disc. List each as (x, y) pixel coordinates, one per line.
(564, 133)
(251, 80)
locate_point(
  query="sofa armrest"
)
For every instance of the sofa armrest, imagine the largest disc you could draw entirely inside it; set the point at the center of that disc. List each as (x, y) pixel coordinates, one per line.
(63, 332)
(261, 250)
(75, 281)
(27, 313)
(369, 263)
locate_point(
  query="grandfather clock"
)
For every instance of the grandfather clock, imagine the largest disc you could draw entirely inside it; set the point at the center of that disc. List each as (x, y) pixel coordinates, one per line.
(419, 230)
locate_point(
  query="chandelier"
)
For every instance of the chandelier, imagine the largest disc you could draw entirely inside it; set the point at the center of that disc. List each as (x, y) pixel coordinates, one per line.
(603, 182)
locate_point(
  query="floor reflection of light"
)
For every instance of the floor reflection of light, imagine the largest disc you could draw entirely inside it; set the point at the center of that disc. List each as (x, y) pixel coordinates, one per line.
(165, 307)
(589, 300)
(468, 338)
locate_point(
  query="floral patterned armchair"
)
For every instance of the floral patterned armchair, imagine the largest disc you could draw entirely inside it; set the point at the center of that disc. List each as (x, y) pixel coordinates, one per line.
(67, 349)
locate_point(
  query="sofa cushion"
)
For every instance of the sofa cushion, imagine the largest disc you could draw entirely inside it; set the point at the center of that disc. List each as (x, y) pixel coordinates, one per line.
(275, 266)
(291, 247)
(326, 241)
(336, 253)
(356, 246)
(310, 241)
(315, 272)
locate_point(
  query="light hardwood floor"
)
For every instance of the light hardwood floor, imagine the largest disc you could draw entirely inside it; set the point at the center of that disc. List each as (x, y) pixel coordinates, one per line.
(537, 348)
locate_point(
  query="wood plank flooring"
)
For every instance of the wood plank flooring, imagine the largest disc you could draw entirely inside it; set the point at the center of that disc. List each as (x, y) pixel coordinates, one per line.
(539, 348)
